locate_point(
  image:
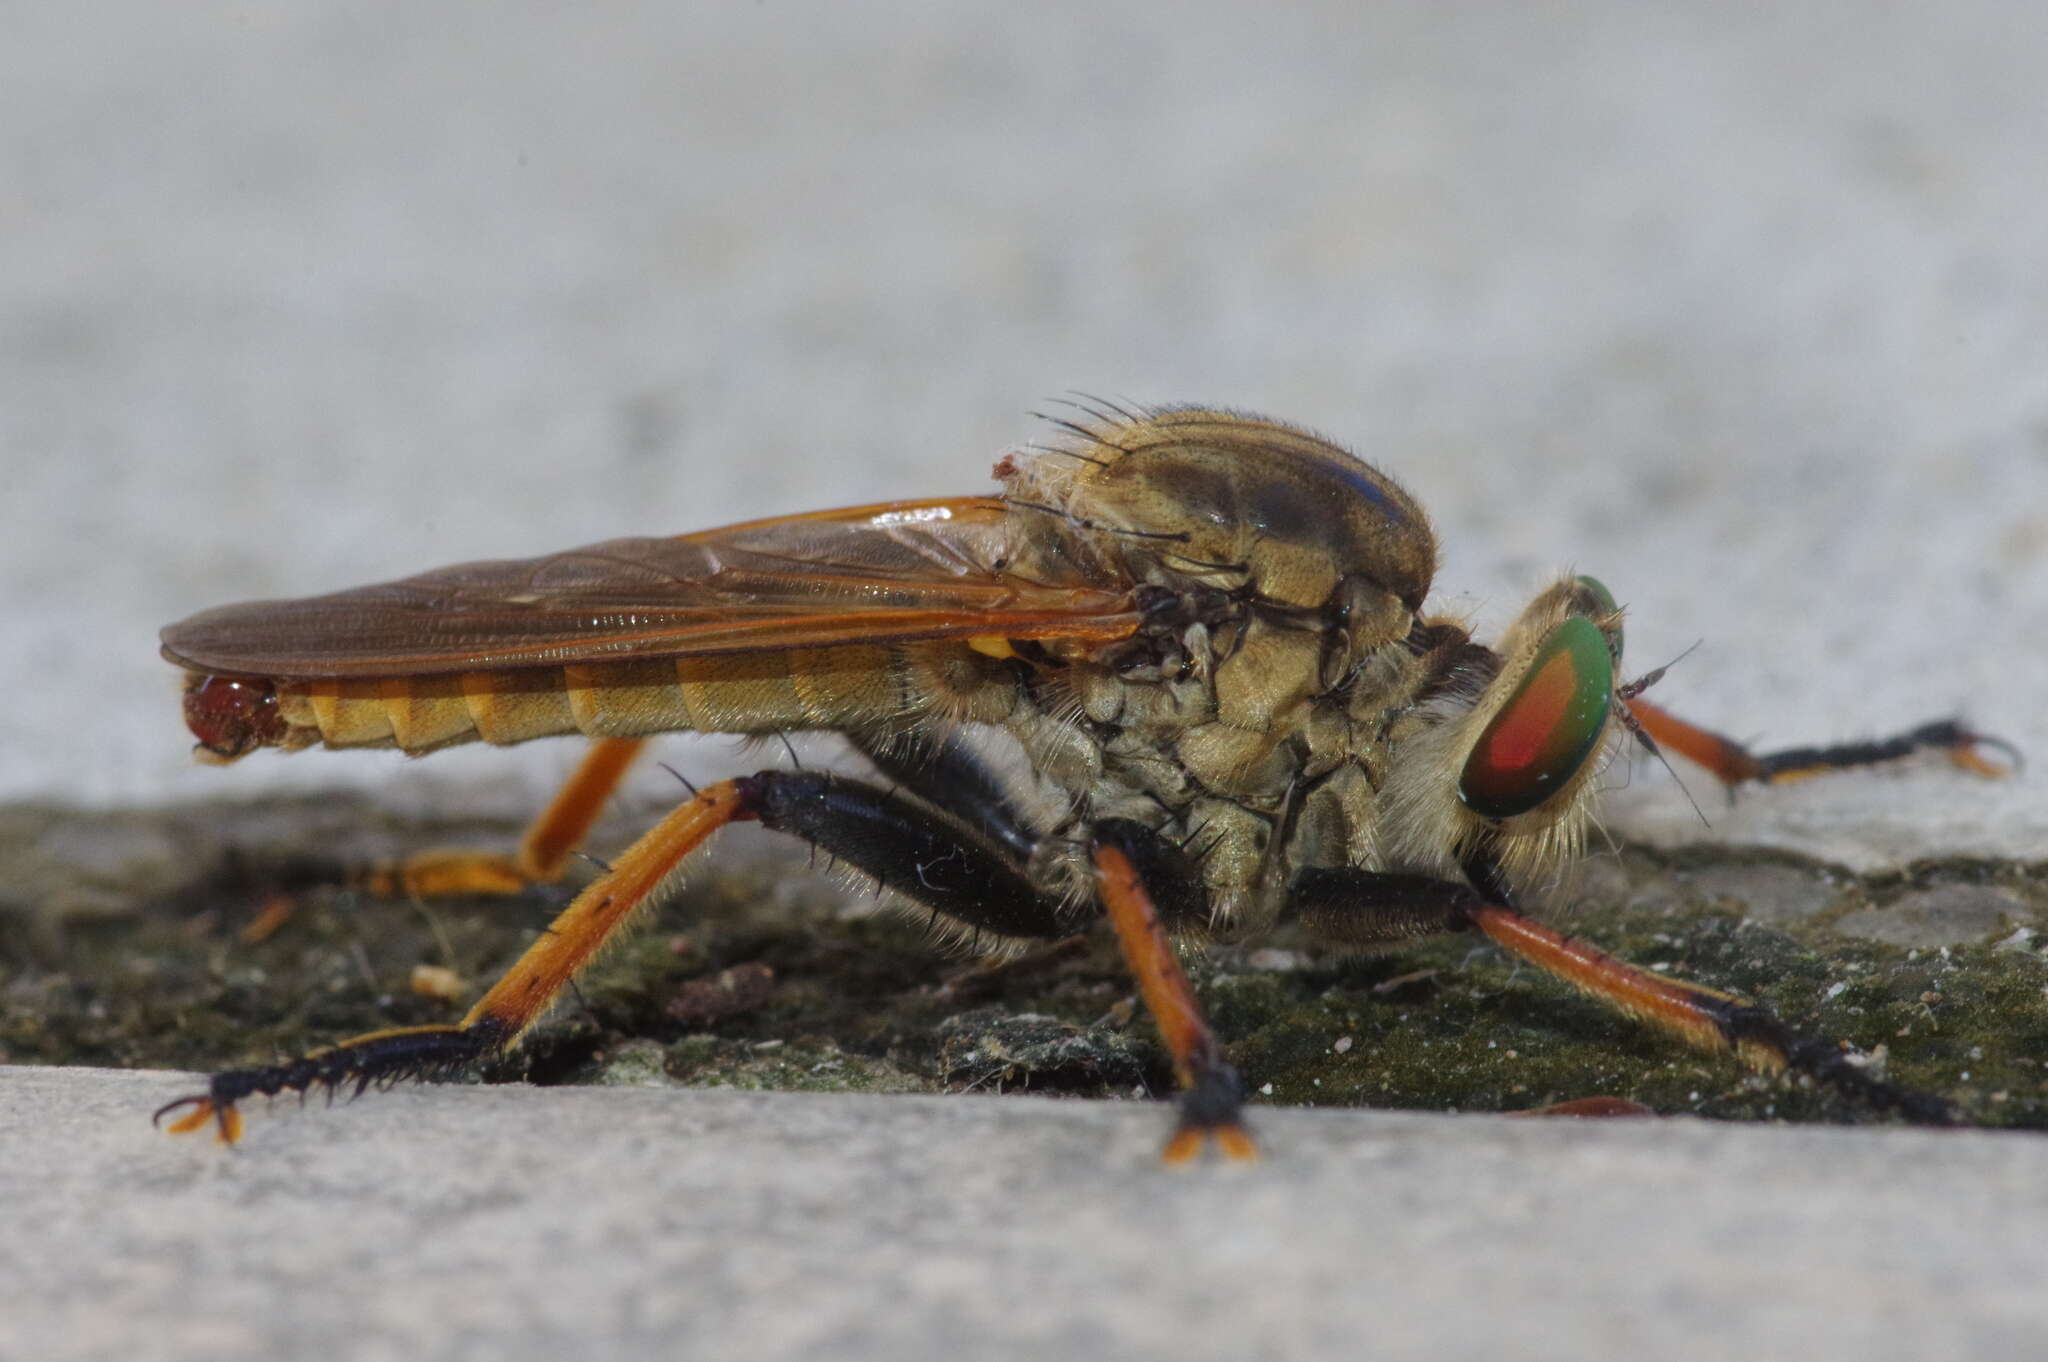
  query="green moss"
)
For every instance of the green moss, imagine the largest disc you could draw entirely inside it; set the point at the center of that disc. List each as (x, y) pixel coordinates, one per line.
(120, 944)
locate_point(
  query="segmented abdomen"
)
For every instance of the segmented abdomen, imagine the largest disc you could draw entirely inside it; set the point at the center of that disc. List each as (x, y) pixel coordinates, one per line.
(826, 688)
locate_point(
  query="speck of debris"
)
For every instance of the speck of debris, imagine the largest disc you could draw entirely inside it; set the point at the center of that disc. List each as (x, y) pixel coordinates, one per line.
(438, 981)
(728, 993)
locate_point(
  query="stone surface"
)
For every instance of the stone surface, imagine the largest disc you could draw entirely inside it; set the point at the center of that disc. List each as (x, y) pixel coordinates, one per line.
(1765, 891)
(515, 1223)
(1948, 916)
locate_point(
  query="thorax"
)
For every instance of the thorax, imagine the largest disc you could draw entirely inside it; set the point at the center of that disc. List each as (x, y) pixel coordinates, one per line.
(1255, 741)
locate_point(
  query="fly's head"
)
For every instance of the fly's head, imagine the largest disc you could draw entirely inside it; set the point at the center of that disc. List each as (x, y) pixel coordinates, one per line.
(1493, 772)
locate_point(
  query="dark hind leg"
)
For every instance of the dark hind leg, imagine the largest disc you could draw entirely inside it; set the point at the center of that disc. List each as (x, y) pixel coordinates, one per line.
(1145, 884)
(945, 773)
(920, 852)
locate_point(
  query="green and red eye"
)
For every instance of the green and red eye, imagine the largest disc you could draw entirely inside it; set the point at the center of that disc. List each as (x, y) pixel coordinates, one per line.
(1538, 740)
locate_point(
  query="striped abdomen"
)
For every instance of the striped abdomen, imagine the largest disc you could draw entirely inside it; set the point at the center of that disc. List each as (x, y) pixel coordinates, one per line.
(764, 692)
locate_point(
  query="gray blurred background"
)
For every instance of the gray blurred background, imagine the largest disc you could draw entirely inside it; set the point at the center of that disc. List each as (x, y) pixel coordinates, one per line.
(1743, 308)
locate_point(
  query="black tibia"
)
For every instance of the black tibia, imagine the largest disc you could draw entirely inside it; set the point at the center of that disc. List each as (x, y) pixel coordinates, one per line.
(1349, 907)
(943, 772)
(918, 851)
(1943, 735)
(427, 1052)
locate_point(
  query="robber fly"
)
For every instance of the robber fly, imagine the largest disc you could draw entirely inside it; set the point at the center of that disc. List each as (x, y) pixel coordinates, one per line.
(1203, 632)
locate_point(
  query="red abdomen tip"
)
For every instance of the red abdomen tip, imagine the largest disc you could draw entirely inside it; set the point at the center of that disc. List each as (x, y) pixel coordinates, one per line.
(232, 715)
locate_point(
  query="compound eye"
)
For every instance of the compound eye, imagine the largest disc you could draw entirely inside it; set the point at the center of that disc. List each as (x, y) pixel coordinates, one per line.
(1602, 606)
(1548, 727)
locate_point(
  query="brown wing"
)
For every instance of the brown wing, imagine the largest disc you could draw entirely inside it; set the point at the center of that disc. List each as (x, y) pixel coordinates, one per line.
(868, 574)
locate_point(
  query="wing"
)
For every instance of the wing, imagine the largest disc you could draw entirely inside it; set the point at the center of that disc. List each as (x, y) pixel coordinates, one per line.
(886, 573)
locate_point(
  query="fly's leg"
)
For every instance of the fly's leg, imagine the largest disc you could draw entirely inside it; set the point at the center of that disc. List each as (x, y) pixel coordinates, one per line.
(920, 852)
(1144, 881)
(514, 1002)
(543, 854)
(947, 775)
(1367, 908)
(1705, 1018)
(1733, 764)
(1359, 907)
(915, 849)
(544, 850)
(1146, 885)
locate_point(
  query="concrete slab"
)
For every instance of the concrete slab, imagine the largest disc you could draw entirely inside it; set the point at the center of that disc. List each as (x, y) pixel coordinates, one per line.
(517, 1223)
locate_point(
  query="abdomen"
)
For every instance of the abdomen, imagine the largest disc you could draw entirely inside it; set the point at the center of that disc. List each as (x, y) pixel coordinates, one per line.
(767, 692)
